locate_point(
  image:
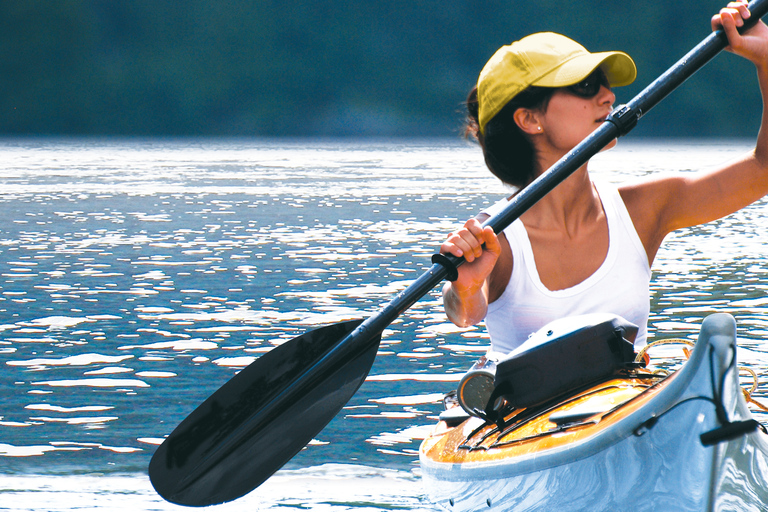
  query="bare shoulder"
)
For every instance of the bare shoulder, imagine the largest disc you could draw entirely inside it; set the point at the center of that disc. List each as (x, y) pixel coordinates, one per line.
(650, 203)
(648, 197)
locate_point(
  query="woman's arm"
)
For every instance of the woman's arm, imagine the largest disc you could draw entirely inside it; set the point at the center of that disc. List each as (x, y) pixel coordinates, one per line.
(466, 298)
(662, 205)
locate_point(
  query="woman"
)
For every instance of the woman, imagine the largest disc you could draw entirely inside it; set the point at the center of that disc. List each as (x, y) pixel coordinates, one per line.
(581, 249)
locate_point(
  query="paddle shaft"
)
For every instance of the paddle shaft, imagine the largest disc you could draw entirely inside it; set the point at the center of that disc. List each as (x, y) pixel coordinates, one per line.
(289, 394)
(619, 123)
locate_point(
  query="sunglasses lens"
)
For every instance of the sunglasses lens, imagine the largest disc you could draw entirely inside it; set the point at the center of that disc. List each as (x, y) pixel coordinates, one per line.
(590, 86)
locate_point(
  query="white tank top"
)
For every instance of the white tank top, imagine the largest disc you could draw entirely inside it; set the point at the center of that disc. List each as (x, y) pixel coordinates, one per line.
(619, 286)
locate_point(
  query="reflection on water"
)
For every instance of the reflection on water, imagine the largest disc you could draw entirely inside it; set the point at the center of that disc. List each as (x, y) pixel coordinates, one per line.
(328, 487)
(137, 277)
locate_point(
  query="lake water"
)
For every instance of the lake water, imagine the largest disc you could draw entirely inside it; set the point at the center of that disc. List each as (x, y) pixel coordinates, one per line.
(136, 277)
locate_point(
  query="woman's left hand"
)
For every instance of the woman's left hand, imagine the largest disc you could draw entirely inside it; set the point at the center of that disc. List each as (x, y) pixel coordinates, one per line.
(753, 44)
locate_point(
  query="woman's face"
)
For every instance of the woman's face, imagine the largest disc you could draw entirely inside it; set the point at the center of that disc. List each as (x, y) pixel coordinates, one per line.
(569, 118)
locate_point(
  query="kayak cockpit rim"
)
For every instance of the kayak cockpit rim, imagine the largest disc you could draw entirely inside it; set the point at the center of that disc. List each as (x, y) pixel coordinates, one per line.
(520, 417)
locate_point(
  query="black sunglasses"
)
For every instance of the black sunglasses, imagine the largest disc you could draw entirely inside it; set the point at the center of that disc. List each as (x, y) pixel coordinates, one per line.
(590, 86)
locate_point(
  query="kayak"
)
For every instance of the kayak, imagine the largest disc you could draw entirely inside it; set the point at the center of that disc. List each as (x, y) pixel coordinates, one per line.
(624, 439)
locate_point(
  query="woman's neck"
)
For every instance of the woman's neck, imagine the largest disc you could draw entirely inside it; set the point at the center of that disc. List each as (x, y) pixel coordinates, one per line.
(570, 206)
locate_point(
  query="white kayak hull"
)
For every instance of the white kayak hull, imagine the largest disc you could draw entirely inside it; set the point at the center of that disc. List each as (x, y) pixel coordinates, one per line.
(665, 467)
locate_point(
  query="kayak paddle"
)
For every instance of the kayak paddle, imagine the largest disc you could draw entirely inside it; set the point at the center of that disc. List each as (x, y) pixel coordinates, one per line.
(268, 412)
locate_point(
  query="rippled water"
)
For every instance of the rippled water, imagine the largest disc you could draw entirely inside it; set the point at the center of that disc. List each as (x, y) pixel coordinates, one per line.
(136, 277)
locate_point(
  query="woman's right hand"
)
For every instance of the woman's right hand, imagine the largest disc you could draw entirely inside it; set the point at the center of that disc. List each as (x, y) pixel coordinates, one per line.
(480, 248)
(753, 44)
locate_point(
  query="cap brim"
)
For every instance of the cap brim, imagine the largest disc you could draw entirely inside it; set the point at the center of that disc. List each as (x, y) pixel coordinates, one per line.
(619, 69)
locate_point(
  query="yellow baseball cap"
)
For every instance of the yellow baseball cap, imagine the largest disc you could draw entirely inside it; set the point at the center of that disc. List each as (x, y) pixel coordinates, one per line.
(544, 59)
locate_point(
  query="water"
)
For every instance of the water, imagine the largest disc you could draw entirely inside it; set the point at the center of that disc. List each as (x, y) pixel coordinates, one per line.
(136, 277)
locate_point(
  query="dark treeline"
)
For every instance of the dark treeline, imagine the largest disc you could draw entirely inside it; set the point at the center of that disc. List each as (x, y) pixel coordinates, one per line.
(327, 68)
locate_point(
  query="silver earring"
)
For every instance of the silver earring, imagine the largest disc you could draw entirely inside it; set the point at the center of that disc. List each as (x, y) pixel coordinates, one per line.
(539, 128)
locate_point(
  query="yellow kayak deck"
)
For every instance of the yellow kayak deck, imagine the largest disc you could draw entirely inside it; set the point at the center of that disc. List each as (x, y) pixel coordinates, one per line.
(525, 432)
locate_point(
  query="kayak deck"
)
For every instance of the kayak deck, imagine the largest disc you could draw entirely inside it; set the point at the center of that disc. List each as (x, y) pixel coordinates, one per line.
(526, 431)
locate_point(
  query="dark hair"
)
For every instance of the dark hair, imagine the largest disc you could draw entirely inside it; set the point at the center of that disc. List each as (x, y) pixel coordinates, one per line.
(508, 152)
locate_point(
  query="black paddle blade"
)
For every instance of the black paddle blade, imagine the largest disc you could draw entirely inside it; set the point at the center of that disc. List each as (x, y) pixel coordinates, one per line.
(263, 416)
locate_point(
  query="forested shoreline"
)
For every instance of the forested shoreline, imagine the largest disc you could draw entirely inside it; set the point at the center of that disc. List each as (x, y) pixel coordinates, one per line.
(321, 68)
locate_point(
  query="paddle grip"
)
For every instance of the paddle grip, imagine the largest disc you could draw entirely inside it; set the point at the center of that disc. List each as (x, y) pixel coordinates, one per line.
(450, 264)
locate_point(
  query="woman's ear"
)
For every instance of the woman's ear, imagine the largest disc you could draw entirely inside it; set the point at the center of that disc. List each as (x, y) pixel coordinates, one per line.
(527, 120)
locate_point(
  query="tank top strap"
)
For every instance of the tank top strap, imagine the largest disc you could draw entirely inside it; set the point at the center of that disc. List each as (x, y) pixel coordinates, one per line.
(613, 205)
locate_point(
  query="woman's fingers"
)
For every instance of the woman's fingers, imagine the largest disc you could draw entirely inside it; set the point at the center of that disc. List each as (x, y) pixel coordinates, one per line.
(466, 242)
(491, 241)
(752, 44)
(475, 238)
(742, 7)
(731, 17)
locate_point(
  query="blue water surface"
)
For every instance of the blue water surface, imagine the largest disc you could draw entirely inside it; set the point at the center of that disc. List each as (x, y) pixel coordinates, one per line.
(138, 276)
